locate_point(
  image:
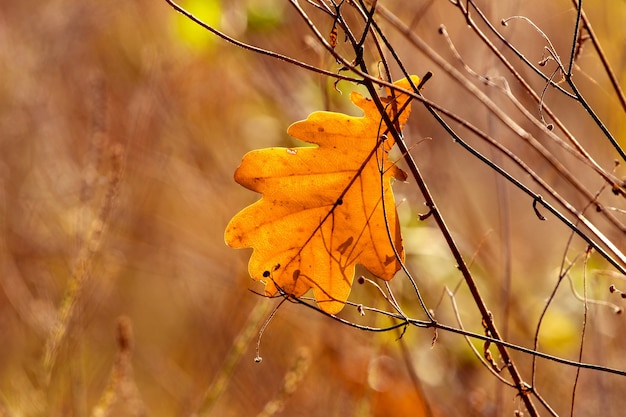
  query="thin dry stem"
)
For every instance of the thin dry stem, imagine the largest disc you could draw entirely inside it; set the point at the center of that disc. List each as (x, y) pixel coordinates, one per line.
(83, 264)
(121, 392)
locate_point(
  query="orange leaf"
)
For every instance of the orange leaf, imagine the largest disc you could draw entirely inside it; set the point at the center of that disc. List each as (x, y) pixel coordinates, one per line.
(322, 210)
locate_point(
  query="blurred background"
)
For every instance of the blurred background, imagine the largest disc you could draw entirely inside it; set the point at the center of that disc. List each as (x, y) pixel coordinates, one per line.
(121, 124)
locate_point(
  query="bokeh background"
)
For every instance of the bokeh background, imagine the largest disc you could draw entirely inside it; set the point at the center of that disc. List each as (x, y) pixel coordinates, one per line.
(121, 124)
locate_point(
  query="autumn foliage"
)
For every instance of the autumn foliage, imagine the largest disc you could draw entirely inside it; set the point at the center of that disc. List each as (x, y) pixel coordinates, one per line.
(322, 212)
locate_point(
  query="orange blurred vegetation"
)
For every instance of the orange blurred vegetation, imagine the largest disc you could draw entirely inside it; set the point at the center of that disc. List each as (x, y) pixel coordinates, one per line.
(120, 134)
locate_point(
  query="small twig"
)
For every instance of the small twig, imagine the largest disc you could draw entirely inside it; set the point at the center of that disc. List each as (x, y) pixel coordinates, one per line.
(499, 54)
(614, 290)
(538, 199)
(620, 151)
(469, 342)
(579, 11)
(583, 330)
(258, 358)
(616, 309)
(602, 55)
(389, 298)
(562, 273)
(550, 48)
(440, 326)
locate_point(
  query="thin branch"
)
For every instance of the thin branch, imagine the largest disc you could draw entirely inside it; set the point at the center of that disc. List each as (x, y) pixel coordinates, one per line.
(602, 55)
(579, 11)
(258, 50)
(478, 299)
(534, 143)
(440, 326)
(596, 119)
(584, 328)
(367, 78)
(469, 342)
(509, 45)
(534, 95)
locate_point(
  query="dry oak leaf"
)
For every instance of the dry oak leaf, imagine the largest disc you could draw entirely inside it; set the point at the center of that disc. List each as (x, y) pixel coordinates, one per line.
(322, 209)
